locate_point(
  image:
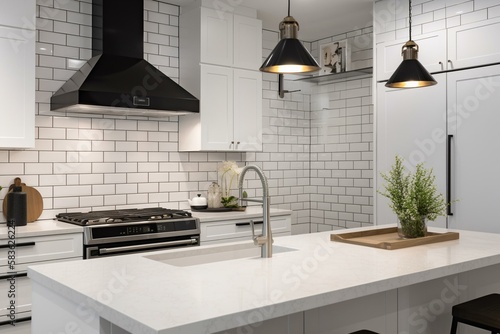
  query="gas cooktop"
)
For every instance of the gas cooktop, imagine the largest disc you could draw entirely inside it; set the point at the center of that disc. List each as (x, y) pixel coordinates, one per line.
(122, 216)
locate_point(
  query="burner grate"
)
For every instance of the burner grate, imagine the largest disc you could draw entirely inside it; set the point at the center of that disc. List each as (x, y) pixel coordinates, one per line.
(121, 216)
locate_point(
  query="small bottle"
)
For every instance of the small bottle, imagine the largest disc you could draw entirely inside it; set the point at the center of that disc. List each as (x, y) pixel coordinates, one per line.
(17, 207)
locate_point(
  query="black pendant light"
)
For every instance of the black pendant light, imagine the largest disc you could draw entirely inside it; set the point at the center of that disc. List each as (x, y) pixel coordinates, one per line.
(410, 73)
(289, 56)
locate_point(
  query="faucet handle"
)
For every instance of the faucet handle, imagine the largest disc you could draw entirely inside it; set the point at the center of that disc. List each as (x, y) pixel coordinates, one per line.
(257, 239)
(254, 238)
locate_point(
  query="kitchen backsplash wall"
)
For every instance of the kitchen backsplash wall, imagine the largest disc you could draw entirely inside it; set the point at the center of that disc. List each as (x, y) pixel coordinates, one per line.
(101, 162)
(342, 141)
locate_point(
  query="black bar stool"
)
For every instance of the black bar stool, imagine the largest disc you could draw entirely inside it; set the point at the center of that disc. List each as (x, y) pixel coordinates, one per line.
(364, 331)
(483, 312)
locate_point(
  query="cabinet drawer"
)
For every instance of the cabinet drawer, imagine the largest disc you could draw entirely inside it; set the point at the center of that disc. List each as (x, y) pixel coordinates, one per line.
(234, 229)
(22, 291)
(50, 247)
(21, 327)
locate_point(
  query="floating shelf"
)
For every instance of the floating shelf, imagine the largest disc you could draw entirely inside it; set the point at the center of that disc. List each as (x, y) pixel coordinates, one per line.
(338, 76)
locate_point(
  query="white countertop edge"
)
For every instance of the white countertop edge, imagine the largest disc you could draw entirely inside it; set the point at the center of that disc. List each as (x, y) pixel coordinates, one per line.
(40, 228)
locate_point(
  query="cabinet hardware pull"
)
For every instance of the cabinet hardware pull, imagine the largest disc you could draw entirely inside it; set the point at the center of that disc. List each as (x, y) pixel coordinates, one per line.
(21, 244)
(151, 246)
(8, 322)
(232, 142)
(448, 176)
(7, 276)
(246, 224)
(238, 142)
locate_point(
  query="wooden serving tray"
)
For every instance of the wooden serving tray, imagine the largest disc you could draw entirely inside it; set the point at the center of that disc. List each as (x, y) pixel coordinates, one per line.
(388, 238)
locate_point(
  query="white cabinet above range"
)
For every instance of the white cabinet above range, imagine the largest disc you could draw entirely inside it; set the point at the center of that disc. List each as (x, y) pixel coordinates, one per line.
(219, 60)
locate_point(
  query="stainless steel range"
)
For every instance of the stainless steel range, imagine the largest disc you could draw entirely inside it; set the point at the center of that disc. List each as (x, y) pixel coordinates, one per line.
(118, 232)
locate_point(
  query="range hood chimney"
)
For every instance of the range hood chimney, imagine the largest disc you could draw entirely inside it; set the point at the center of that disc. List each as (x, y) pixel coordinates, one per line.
(117, 80)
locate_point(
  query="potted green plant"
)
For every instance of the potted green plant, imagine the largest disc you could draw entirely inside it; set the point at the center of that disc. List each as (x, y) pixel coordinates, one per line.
(414, 198)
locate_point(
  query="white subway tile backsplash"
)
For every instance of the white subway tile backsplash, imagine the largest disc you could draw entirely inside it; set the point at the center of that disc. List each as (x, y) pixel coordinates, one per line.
(494, 12)
(66, 202)
(115, 200)
(23, 156)
(126, 188)
(147, 167)
(478, 15)
(51, 61)
(91, 201)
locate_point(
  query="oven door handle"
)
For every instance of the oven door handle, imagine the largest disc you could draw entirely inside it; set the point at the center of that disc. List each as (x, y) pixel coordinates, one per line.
(112, 250)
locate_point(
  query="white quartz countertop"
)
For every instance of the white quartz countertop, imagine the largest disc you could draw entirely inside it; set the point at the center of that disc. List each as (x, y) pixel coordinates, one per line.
(249, 213)
(41, 227)
(156, 297)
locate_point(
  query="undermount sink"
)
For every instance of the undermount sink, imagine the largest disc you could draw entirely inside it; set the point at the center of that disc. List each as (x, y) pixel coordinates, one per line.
(196, 256)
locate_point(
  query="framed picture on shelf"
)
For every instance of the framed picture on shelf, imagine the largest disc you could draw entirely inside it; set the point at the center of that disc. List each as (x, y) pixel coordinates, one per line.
(334, 57)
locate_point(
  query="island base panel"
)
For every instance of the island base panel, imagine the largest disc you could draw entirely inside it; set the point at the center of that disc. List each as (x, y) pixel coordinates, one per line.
(52, 313)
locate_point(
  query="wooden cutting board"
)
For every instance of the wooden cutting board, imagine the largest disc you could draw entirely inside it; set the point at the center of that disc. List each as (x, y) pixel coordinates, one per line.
(33, 197)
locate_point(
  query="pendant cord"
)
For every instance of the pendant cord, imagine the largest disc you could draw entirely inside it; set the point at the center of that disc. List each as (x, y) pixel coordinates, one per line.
(288, 7)
(409, 11)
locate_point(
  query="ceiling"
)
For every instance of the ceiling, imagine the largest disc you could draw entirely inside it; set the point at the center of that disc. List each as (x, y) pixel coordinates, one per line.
(317, 18)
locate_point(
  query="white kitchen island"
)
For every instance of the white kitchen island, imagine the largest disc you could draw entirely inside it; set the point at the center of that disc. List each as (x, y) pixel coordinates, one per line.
(310, 285)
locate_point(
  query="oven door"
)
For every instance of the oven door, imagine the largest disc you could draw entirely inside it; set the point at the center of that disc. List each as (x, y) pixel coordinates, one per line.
(130, 247)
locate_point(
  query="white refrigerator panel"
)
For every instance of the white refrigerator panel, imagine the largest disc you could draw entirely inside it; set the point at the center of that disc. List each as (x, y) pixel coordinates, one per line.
(474, 122)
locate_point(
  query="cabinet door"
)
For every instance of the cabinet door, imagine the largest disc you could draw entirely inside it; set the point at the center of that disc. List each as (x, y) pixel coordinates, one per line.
(23, 327)
(234, 230)
(473, 119)
(216, 108)
(20, 14)
(474, 44)
(412, 124)
(17, 88)
(43, 248)
(247, 110)
(247, 42)
(432, 54)
(216, 37)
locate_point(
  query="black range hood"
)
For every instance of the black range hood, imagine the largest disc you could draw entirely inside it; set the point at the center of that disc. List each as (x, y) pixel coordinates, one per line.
(117, 80)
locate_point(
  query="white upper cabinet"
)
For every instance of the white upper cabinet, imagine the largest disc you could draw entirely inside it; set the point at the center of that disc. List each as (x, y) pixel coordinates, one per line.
(216, 37)
(18, 14)
(17, 79)
(247, 42)
(231, 112)
(228, 39)
(432, 54)
(220, 54)
(247, 133)
(474, 44)
(216, 103)
(454, 48)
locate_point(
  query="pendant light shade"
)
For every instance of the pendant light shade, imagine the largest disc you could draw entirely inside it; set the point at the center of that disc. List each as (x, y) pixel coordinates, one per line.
(289, 56)
(410, 73)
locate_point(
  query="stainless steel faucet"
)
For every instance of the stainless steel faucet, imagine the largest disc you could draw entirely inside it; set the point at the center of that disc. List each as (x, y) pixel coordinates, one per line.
(264, 240)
